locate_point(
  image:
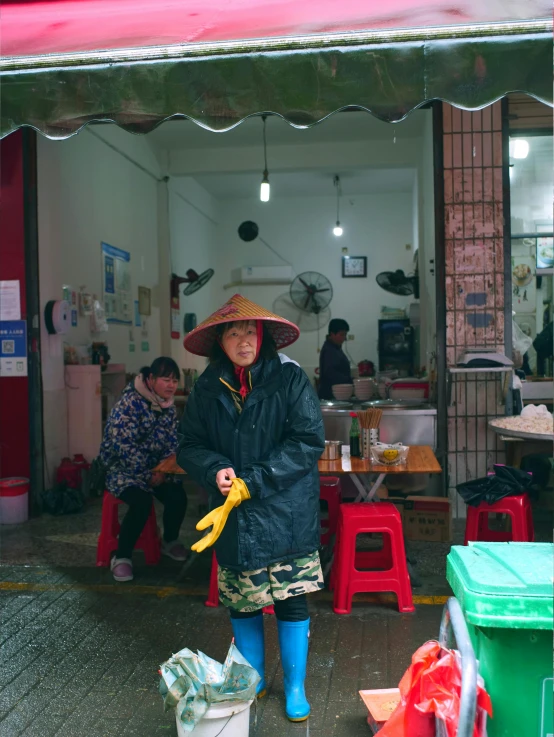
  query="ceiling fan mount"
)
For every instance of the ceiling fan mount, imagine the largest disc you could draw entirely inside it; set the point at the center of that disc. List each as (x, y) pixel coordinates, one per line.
(194, 281)
(397, 282)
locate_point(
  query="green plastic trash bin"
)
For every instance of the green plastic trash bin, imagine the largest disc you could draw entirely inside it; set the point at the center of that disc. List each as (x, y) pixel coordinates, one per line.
(506, 594)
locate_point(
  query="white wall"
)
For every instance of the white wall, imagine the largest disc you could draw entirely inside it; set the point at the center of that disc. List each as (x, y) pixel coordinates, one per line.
(194, 220)
(88, 193)
(300, 229)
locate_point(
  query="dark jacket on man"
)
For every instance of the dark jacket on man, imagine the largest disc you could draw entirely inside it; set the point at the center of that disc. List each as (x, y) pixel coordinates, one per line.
(274, 445)
(334, 368)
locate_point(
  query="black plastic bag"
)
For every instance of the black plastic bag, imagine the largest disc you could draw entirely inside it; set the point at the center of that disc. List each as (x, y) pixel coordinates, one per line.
(507, 481)
(97, 477)
(63, 500)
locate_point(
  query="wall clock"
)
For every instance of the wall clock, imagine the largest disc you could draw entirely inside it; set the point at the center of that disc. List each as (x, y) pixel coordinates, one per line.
(354, 266)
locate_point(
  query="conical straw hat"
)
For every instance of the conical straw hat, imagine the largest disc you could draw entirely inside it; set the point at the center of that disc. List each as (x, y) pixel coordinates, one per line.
(200, 340)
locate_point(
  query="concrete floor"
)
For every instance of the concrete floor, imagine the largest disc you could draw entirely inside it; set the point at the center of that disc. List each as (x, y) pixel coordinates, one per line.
(80, 653)
(71, 541)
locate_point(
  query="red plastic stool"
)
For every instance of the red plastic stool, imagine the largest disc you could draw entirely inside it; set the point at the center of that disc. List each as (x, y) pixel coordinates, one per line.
(518, 508)
(330, 492)
(148, 542)
(348, 579)
(213, 592)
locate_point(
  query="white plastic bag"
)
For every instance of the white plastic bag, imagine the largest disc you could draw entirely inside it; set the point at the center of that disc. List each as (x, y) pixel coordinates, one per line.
(98, 322)
(533, 410)
(520, 344)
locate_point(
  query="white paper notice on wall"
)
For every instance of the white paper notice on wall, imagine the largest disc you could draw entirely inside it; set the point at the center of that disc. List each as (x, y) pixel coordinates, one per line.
(10, 305)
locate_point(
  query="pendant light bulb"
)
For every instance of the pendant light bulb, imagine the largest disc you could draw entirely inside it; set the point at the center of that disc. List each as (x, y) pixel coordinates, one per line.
(337, 230)
(264, 187)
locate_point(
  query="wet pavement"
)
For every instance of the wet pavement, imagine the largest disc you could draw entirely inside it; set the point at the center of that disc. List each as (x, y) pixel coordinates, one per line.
(80, 653)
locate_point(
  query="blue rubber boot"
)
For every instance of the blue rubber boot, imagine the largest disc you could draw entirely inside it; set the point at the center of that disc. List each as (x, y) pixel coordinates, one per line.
(293, 641)
(249, 639)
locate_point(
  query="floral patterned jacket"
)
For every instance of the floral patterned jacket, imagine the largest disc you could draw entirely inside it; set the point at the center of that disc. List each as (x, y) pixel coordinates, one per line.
(136, 439)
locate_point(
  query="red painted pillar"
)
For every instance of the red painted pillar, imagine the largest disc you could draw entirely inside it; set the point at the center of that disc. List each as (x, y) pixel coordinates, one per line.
(14, 391)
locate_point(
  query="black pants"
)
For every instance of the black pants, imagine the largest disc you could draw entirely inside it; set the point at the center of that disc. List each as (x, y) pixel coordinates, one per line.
(293, 609)
(174, 499)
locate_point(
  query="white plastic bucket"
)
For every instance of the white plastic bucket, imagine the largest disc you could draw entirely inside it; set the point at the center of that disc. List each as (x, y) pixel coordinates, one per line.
(227, 719)
(14, 500)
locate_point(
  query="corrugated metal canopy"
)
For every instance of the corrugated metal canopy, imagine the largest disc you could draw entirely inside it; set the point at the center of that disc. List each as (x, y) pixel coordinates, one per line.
(138, 62)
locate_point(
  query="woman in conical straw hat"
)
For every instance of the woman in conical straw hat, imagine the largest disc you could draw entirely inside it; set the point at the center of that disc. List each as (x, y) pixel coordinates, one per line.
(252, 436)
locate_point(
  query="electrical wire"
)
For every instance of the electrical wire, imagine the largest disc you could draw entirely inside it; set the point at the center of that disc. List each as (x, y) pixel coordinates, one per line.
(348, 354)
(266, 244)
(264, 118)
(125, 156)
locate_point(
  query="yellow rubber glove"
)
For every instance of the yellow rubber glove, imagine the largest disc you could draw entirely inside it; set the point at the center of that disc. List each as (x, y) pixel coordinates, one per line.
(217, 518)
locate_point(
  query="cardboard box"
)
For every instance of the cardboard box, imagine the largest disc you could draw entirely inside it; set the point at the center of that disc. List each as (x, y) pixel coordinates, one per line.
(425, 517)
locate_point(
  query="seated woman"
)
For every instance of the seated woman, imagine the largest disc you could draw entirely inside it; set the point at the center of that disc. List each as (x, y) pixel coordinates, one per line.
(253, 414)
(141, 431)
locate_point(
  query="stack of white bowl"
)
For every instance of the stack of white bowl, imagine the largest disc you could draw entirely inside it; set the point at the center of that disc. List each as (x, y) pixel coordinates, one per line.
(342, 392)
(364, 389)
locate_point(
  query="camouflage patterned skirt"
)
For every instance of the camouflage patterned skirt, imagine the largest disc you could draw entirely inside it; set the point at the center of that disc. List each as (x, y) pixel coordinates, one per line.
(248, 591)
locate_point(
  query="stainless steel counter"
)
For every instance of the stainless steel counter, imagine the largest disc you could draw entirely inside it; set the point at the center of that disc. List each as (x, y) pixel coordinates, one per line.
(408, 426)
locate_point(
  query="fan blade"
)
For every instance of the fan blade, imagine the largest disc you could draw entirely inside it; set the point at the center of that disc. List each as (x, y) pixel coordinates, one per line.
(318, 291)
(303, 282)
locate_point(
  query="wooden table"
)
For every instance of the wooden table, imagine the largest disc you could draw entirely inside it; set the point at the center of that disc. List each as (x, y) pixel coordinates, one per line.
(421, 459)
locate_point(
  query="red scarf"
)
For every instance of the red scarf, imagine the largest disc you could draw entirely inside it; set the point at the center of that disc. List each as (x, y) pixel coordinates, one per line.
(242, 372)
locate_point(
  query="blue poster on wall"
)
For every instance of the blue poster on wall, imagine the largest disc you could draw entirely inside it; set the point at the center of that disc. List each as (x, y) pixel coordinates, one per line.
(13, 348)
(116, 273)
(109, 275)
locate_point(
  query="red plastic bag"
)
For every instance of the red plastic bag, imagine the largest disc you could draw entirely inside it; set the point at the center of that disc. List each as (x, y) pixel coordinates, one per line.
(431, 687)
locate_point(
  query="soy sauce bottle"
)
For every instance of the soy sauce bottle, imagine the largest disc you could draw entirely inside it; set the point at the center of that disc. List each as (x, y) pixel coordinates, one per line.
(355, 444)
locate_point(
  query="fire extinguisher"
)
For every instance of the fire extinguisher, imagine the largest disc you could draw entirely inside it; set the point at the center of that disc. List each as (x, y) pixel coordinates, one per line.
(70, 473)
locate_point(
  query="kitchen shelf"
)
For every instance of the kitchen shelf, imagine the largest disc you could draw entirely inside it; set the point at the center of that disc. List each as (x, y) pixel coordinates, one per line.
(481, 370)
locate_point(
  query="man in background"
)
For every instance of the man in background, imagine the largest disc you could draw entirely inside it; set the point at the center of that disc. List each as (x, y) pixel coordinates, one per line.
(544, 345)
(334, 366)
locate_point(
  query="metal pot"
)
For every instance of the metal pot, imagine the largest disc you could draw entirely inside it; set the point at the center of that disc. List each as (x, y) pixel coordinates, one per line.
(332, 450)
(334, 404)
(395, 404)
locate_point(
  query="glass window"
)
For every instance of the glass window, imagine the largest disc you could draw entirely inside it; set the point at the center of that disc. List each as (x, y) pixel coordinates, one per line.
(531, 190)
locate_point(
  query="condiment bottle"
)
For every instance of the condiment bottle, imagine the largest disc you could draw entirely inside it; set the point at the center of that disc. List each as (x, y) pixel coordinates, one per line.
(355, 445)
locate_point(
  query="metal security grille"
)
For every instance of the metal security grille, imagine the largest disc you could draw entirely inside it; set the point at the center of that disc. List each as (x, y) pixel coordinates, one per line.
(474, 284)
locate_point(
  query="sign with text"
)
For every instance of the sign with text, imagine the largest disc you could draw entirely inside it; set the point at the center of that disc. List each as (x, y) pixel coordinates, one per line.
(13, 348)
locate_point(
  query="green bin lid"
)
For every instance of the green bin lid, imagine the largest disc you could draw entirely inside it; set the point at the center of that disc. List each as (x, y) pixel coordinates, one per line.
(506, 585)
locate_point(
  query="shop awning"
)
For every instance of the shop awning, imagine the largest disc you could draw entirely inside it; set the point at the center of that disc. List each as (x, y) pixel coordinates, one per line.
(137, 63)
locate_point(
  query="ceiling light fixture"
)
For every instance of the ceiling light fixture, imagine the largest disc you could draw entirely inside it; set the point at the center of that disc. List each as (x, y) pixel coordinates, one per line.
(337, 230)
(264, 187)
